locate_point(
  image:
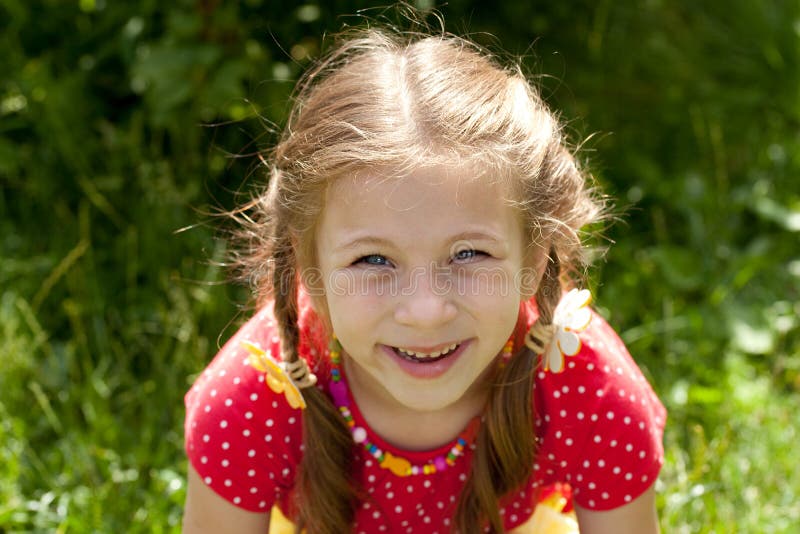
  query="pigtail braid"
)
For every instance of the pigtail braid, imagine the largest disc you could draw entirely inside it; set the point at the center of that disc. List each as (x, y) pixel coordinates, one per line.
(549, 292)
(325, 497)
(506, 444)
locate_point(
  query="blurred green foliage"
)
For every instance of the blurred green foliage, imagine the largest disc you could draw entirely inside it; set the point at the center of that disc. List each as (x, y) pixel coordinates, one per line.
(123, 123)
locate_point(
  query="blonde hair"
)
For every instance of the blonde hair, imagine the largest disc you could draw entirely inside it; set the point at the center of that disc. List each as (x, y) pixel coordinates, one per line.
(398, 101)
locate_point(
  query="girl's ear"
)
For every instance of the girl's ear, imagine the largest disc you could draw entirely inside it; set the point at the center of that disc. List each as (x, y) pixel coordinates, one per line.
(536, 258)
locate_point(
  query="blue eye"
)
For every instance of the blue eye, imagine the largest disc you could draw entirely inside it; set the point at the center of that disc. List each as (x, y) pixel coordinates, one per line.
(467, 255)
(373, 259)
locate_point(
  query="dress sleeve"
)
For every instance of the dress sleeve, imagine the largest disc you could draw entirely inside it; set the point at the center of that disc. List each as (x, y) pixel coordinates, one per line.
(243, 439)
(600, 423)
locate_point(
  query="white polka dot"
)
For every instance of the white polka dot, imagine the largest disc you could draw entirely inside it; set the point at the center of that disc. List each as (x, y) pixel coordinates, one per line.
(246, 433)
(398, 509)
(225, 463)
(207, 480)
(236, 380)
(268, 437)
(593, 417)
(390, 495)
(237, 500)
(254, 490)
(262, 504)
(223, 424)
(248, 415)
(427, 483)
(213, 393)
(581, 389)
(228, 402)
(590, 367)
(568, 441)
(254, 396)
(610, 415)
(251, 453)
(599, 392)
(207, 408)
(604, 495)
(628, 476)
(556, 394)
(203, 459)
(627, 420)
(627, 498)
(270, 422)
(591, 503)
(226, 445)
(613, 443)
(629, 447)
(292, 420)
(206, 438)
(617, 470)
(565, 389)
(580, 415)
(228, 483)
(563, 413)
(597, 439)
(592, 485)
(251, 472)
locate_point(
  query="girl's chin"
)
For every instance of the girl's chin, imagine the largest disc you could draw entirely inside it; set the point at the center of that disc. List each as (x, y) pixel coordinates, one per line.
(426, 368)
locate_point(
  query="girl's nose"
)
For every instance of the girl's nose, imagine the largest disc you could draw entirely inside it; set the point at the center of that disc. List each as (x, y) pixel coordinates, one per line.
(424, 304)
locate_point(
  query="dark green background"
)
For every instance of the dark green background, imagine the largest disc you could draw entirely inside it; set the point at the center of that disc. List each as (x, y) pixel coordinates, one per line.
(122, 123)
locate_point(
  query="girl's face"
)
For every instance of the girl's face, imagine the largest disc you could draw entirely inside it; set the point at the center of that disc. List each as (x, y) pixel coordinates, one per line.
(421, 277)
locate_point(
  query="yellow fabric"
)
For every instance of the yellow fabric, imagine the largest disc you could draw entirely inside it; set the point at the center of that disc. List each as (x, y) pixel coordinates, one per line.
(278, 524)
(545, 520)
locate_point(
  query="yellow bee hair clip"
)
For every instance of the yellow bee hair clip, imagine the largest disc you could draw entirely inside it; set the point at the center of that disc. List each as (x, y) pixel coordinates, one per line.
(286, 378)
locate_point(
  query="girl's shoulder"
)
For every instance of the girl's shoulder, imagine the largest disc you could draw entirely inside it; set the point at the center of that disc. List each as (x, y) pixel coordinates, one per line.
(598, 421)
(243, 438)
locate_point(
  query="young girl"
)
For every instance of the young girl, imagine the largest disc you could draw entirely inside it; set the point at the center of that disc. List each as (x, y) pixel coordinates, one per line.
(419, 361)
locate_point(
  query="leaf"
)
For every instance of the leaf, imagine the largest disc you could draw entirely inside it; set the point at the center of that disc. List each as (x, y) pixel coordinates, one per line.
(771, 210)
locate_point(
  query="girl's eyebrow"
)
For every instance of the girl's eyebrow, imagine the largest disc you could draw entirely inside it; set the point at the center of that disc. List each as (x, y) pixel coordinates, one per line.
(370, 241)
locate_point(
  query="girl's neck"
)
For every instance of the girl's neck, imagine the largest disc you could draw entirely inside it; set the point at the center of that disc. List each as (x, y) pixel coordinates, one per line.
(410, 429)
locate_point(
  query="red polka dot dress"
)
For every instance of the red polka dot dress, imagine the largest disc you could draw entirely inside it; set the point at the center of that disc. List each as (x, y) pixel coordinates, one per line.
(599, 428)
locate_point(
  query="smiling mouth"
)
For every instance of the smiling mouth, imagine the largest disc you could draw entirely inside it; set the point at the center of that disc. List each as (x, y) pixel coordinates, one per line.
(423, 357)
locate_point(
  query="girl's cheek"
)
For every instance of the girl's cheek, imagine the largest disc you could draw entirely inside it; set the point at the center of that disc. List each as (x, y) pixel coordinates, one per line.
(362, 284)
(486, 283)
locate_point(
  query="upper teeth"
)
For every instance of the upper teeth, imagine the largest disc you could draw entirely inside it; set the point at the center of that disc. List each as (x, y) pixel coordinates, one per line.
(429, 355)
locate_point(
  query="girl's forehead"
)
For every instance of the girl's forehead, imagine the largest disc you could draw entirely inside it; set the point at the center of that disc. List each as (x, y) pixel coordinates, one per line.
(404, 190)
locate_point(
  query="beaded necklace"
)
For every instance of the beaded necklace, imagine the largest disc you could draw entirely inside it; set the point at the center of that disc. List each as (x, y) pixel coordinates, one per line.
(386, 460)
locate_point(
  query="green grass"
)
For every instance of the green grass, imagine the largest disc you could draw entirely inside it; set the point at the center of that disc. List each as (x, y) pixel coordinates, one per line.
(108, 311)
